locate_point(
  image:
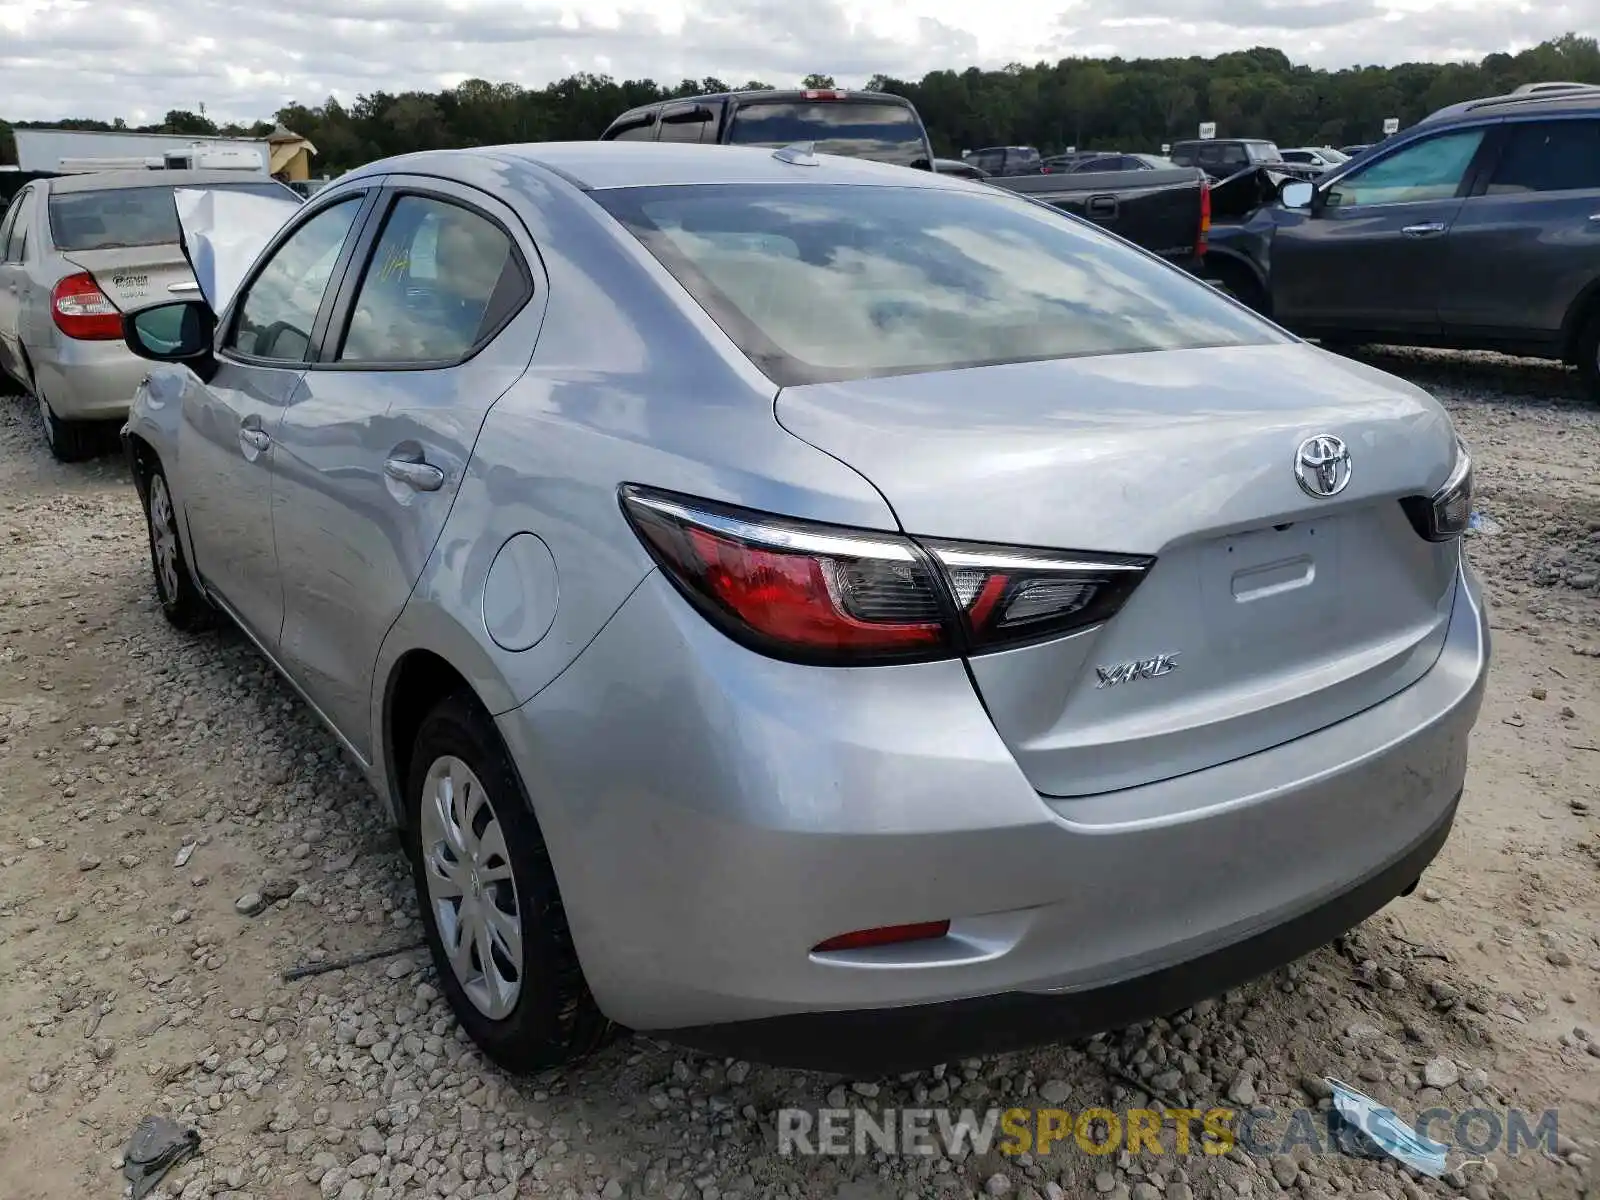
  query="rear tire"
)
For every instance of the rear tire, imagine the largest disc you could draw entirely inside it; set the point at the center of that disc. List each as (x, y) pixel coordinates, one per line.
(181, 601)
(1587, 352)
(69, 441)
(490, 905)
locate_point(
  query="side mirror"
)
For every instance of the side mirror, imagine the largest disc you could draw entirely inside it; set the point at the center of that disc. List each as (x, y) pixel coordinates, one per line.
(181, 332)
(1298, 194)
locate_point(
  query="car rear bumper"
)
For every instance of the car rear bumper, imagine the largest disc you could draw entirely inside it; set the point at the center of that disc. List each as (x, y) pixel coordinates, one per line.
(712, 815)
(87, 381)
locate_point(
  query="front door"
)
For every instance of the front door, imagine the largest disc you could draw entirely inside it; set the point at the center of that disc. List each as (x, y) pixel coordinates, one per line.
(369, 455)
(1370, 254)
(225, 442)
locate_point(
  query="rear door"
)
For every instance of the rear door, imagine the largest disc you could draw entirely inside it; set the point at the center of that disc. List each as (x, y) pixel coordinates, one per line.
(1372, 253)
(439, 321)
(1527, 242)
(13, 280)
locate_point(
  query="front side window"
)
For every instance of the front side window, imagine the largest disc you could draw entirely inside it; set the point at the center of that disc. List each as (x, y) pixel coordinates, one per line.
(276, 315)
(442, 279)
(863, 129)
(641, 131)
(135, 216)
(818, 283)
(1263, 152)
(1548, 156)
(1428, 170)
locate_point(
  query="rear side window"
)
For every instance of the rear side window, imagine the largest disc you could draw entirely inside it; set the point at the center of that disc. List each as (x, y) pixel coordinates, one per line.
(1548, 156)
(818, 283)
(442, 280)
(138, 216)
(860, 129)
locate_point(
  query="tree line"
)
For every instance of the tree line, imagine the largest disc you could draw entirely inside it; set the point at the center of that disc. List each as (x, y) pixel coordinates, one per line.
(1116, 103)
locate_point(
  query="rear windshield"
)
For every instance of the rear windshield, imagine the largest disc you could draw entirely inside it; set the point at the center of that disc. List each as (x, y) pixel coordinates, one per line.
(883, 132)
(136, 216)
(824, 283)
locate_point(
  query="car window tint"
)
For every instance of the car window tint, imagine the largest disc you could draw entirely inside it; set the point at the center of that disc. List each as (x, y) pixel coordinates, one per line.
(645, 132)
(831, 283)
(1548, 156)
(866, 129)
(6, 227)
(441, 280)
(1428, 170)
(276, 315)
(686, 125)
(136, 216)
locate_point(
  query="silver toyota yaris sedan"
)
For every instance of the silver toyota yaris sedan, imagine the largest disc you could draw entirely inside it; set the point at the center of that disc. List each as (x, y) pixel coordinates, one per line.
(822, 611)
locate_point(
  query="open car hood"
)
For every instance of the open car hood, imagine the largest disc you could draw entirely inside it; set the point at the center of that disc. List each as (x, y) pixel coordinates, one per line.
(224, 231)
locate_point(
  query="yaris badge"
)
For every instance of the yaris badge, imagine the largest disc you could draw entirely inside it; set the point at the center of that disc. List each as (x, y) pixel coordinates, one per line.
(1322, 465)
(1139, 668)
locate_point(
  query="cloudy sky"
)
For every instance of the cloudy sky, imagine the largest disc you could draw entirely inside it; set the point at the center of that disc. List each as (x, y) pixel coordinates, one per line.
(138, 58)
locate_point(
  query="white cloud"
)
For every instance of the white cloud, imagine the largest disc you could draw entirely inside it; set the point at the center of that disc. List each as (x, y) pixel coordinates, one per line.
(242, 61)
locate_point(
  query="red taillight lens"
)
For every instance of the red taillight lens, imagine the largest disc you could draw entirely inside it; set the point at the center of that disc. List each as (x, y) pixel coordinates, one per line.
(1008, 595)
(1205, 219)
(823, 94)
(81, 311)
(825, 594)
(795, 590)
(884, 935)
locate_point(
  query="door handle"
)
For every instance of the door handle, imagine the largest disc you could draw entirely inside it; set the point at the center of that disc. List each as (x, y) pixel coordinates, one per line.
(415, 474)
(254, 439)
(1595, 218)
(1426, 229)
(1102, 206)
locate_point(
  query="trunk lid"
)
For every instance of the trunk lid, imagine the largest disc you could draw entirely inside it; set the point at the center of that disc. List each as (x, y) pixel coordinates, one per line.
(1285, 612)
(135, 277)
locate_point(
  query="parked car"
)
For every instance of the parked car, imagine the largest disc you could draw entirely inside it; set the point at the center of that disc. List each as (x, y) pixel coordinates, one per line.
(1477, 228)
(75, 251)
(872, 125)
(960, 168)
(1222, 157)
(1007, 160)
(1115, 160)
(1168, 212)
(753, 580)
(1323, 158)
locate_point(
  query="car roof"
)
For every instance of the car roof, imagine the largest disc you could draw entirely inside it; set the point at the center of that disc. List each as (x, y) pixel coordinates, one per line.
(776, 95)
(599, 166)
(103, 181)
(1524, 104)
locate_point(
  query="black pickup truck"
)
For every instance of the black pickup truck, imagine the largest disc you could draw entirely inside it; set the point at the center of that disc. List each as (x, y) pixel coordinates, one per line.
(1164, 211)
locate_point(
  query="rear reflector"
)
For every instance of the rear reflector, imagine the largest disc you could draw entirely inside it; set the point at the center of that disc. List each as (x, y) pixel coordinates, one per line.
(884, 935)
(82, 312)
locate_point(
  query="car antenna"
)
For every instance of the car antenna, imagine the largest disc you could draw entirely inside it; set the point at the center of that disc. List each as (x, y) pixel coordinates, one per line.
(799, 154)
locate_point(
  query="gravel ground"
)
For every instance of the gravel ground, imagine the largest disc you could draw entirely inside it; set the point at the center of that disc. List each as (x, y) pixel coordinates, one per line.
(158, 789)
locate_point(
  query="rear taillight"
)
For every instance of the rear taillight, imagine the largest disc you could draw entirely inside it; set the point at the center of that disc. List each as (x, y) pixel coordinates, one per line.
(1447, 513)
(826, 594)
(1007, 595)
(1204, 239)
(81, 311)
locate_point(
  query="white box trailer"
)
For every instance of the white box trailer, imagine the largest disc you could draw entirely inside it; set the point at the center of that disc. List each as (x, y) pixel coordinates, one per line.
(195, 158)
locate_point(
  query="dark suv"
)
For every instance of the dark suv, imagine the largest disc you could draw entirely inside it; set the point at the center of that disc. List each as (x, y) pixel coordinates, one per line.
(1222, 157)
(872, 125)
(1477, 228)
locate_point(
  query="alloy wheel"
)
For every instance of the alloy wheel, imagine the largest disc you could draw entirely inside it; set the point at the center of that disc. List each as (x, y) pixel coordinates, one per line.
(472, 892)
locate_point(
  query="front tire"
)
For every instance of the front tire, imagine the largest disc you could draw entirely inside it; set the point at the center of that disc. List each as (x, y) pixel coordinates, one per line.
(68, 441)
(181, 602)
(1588, 355)
(490, 905)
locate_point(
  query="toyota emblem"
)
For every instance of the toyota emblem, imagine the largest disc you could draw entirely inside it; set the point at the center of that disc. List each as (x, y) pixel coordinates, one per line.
(1322, 465)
